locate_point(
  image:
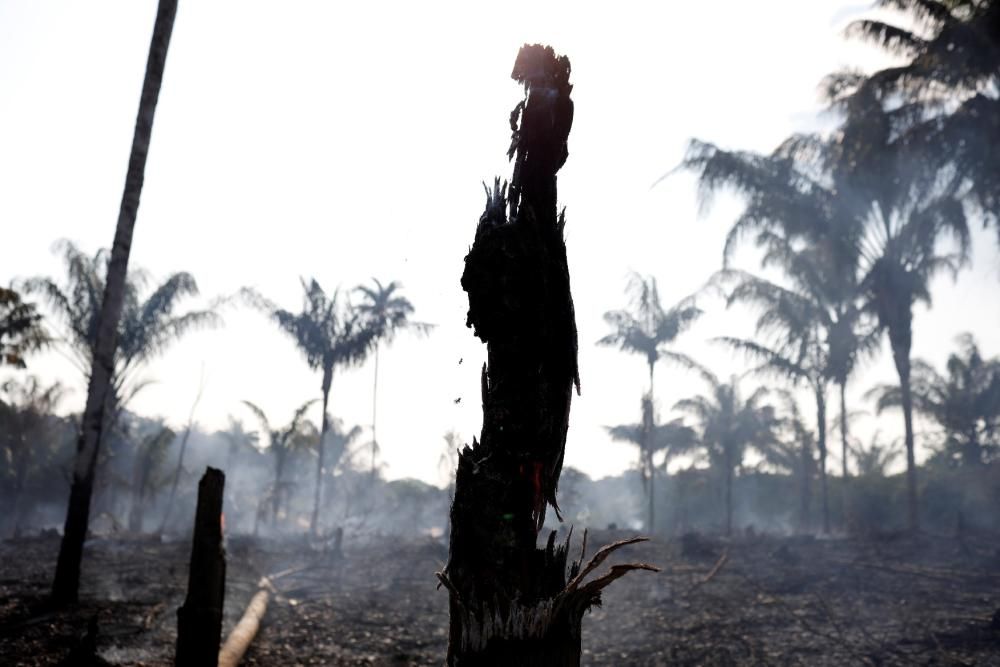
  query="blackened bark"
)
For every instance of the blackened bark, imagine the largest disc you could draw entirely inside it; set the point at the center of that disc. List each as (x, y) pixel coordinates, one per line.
(66, 585)
(510, 602)
(199, 620)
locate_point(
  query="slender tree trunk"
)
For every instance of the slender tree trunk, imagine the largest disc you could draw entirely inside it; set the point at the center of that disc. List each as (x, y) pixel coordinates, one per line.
(314, 521)
(821, 432)
(843, 431)
(279, 469)
(805, 486)
(729, 495)
(647, 454)
(374, 406)
(18, 496)
(65, 587)
(510, 603)
(651, 371)
(651, 526)
(902, 360)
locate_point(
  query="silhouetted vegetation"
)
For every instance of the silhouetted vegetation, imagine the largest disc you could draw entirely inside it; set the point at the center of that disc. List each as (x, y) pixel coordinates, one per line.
(846, 231)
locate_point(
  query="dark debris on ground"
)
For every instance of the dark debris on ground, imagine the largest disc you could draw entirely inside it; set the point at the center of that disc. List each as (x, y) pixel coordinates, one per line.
(753, 601)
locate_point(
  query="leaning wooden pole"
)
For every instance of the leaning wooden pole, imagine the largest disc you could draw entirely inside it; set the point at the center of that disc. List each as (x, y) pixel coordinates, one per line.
(66, 584)
(510, 602)
(199, 620)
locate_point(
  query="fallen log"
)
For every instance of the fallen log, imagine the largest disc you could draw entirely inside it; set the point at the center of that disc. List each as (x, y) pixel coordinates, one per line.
(239, 639)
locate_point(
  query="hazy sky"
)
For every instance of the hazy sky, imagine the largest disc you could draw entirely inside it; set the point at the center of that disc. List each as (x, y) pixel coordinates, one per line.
(343, 141)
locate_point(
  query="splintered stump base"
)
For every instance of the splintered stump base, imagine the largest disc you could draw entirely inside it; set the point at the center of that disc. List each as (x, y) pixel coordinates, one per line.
(547, 632)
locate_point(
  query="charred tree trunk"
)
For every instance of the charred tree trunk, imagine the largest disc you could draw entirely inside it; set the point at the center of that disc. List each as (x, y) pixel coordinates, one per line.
(510, 602)
(65, 587)
(199, 620)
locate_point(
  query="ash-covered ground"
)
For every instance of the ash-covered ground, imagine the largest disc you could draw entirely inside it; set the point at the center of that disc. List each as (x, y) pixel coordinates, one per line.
(756, 600)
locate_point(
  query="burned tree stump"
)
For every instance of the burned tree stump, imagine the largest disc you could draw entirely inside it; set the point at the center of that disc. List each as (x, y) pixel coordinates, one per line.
(510, 602)
(199, 620)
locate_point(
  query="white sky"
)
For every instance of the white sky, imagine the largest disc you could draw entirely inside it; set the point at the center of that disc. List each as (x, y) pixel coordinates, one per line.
(349, 140)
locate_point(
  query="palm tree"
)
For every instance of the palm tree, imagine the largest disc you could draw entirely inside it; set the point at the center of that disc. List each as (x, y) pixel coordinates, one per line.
(21, 330)
(812, 332)
(26, 410)
(881, 234)
(146, 328)
(896, 234)
(66, 584)
(728, 425)
(945, 95)
(874, 459)
(646, 328)
(672, 438)
(792, 212)
(329, 333)
(280, 443)
(965, 404)
(388, 313)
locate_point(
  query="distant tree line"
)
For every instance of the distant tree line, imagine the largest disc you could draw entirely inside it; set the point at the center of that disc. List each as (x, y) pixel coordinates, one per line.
(858, 221)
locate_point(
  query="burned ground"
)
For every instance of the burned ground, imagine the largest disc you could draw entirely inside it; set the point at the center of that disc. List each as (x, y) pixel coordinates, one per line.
(757, 600)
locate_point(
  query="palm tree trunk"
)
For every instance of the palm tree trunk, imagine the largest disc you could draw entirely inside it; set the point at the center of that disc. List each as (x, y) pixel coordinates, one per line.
(843, 429)
(651, 370)
(279, 469)
(16, 509)
(65, 587)
(327, 382)
(805, 486)
(651, 526)
(374, 405)
(902, 360)
(729, 496)
(647, 436)
(821, 433)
